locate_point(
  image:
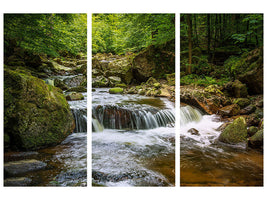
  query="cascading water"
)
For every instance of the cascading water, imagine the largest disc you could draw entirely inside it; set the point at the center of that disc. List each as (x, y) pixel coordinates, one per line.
(205, 161)
(133, 140)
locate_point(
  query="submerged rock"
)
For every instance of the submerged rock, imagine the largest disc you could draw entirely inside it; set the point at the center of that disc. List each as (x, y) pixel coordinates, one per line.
(193, 131)
(23, 166)
(235, 133)
(17, 181)
(36, 114)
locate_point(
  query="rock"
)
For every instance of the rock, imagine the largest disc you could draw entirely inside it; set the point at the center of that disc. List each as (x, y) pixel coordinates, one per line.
(77, 89)
(121, 68)
(193, 131)
(74, 96)
(252, 130)
(235, 133)
(230, 110)
(100, 81)
(254, 80)
(154, 61)
(17, 181)
(23, 166)
(256, 141)
(36, 114)
(122, 85)
(248, 110)
(236, 89)
(74, 81)
(252, 120)
(116, 90)
(113, 80)
(60, 84)
(223, 126)
(157, 85)
(242, 102)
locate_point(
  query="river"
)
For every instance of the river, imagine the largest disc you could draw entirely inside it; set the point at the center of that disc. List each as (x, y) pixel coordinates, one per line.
(206, 162)
(133, 140)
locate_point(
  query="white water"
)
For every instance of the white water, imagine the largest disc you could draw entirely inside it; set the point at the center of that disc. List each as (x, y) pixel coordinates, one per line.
(205, 124)
(121, 157)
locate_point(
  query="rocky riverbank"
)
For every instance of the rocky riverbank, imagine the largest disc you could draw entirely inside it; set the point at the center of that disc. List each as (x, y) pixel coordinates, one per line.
(36, 112)
(150, 72)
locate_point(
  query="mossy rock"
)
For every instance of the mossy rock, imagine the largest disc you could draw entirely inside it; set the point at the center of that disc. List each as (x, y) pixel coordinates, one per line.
(242, 102)
(256, 141)
(116, 90)
(235, 133)
(36, 114)
(252, 130)
(157, 85)
(121, 85)
(74, 96)
(77, 89)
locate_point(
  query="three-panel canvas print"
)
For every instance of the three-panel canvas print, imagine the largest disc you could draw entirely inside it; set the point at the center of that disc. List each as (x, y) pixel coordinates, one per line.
(137, 94)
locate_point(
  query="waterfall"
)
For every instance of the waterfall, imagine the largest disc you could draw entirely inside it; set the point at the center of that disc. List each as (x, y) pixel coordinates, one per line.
(189, 114)
(80, 120)
(97, 127)
(116, 117)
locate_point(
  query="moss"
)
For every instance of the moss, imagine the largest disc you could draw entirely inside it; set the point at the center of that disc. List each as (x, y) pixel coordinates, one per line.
(242, 102)
(33, 111)
(77, 89)
(235, 132)
(122, 85)
(116, 90)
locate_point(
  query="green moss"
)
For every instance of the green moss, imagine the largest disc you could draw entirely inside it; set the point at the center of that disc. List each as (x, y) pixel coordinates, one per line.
(242, 102)
(116, 90)
(235, 132)
(122, 85)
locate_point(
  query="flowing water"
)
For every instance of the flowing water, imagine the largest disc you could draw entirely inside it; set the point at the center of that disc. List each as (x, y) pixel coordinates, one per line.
(133, 141)
(66, 162)
(206, 162)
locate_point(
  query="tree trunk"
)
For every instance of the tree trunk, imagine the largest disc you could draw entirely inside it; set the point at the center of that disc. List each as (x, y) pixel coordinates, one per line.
(208, 31)
(189, 23)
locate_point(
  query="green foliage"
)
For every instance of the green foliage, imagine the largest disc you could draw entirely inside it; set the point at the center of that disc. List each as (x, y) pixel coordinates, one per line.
(201, 80)
(46, 33)
(121, 33)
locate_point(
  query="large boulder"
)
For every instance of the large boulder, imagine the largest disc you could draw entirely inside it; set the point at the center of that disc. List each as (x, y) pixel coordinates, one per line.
(122, 68)
(36, 115)
(254, 81)
(235, 133)
(154, 61)
(236, 89)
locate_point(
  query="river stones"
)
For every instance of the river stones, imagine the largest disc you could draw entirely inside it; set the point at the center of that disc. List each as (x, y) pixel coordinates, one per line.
(230, 110)
(37, 115)
(193, 131)
(17, 181)
(242, 102)
(235, 133)
(74, 96)
(256, 141)
(23, 166)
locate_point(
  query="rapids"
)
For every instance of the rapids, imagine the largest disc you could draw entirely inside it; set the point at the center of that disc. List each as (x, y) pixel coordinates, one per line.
(206, 162)
(133, 143)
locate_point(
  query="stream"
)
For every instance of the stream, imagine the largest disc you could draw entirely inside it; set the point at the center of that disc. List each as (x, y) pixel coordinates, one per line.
(206, 162)
(66, 163)
(133, 140)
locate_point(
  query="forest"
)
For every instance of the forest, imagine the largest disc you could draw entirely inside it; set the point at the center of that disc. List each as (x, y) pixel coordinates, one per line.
(221, 93)
(121, 33)
(45, 84)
